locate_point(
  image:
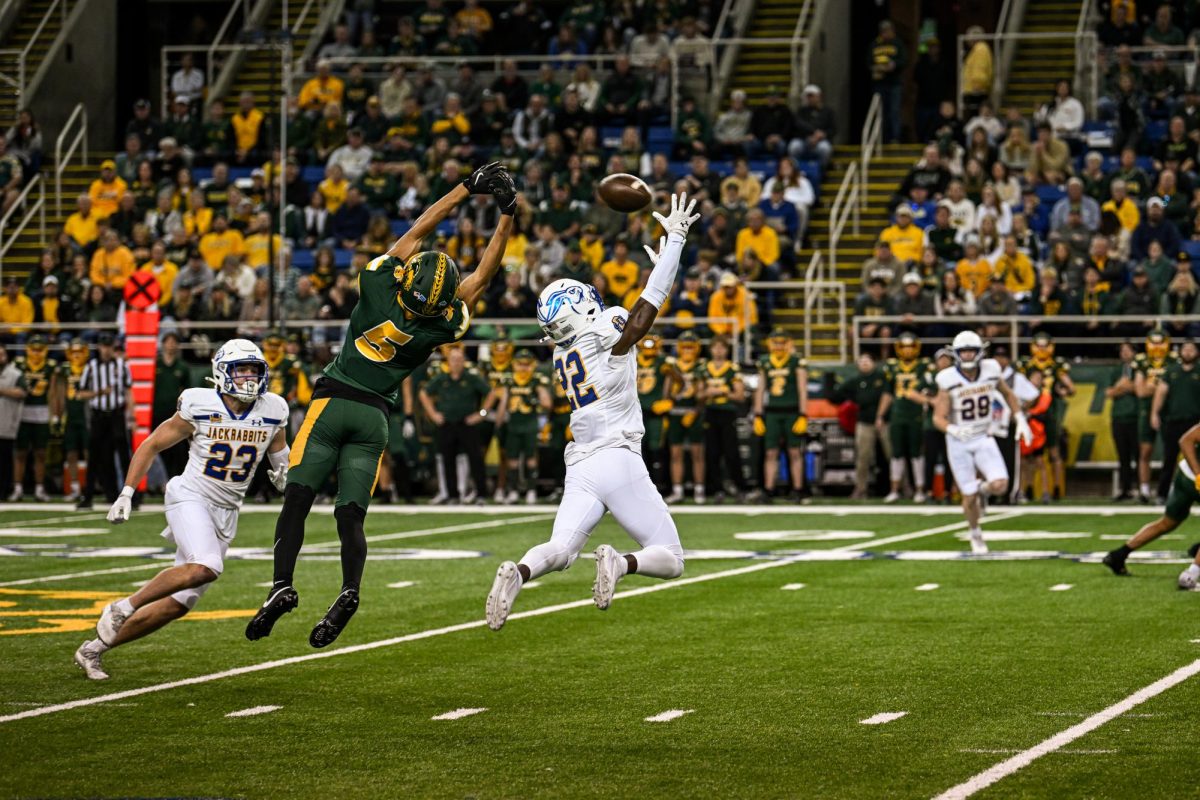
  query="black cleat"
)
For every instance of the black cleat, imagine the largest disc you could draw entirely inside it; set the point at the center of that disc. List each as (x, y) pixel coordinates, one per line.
(325, 632)
(279, 602)
(1193, 550)
(1116, 563)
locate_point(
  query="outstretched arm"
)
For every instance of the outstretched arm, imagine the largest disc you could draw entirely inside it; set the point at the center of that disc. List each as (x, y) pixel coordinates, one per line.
(472, 287)
(479, 182)
(662, 278)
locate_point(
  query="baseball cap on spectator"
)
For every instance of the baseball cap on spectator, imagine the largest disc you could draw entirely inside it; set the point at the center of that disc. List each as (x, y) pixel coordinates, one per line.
(1140, 269)
(1049, 271)
(372, 100)
(168, 141)
(50, 279)
(1093, 156)
(108, 163)
(904, 210)
(573, 246)
(945, 352)
(693, 272)
(142, 103)
(812, 88)
(737, 94)
(105, 338)
(257, 173)
(181, 99)
(728, 279)
(910, 277)
(1154, 201)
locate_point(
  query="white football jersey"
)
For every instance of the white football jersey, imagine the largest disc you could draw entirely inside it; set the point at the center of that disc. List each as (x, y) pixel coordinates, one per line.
(602, 389)
(971, 400)
(225, 448)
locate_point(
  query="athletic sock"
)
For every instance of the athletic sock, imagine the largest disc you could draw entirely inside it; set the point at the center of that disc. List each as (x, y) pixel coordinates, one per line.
(124, 606)
(897, 470)
(677, 488)
(1145, 488)
(97, 646)
(918, 468)
(657, 561)
(289, 531)
(1123, 551)
(1194, 570)
(354, 543)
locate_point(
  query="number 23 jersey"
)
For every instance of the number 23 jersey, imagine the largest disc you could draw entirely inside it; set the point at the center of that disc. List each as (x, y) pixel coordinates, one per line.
(971, 400)
(601, 388)
(225, 448)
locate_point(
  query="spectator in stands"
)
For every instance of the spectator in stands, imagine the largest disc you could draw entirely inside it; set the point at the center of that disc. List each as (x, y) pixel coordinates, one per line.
(1063, 112)
(1178, 148)
(648, 47)
(942, 236)
(882, 265)
(145, 126)
(1175, 200)
(1016, 269)
(747, 187)
(815, 128)
(997, 301)
(887, 61)
(913, 301)
(475, 20)
(349, 223)
(906, 239)
(236, 276)
(1137, 182)
(784, 218)
(219, 242)
(732, 300)
(321, 89)
(960, 208)
(127, 161)
(510, 88)
(304, 304)
(217, 141)
(106, 190)
(330, 132)
(873, 301)
(1161, 86)
(1095, 181)
(929, 173)
(195, 276)
(83, 226)
(50, 306)
(1123, 65)
(340, 47)
(935, 84)
(353, 157)
(973, 269)
(16, 308)
(394, 90)
(187, 81)
(952, 299)
(985, 118)
(732, 134)
(1164, 32)
(1154, 227)
(703, 184)
(621, 94)
(1161, 268)
(99, 308)
(24, 141)
(112, 263)
(1015, 152)
(1182, 298)
(772, 124)
(247, 124)
(1138, 301)
(1074, 233)
(532, 123)
(1049, 300)
(1088, 208)
(1050, 161)
(759, 237)
(1120, 29)
(977, 75)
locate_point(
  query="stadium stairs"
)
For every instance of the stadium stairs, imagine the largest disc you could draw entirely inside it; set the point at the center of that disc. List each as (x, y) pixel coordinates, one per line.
(759, 68)
(23, 256)
(1037, 64)
(18, 37)
(255, 73)
(886, 173)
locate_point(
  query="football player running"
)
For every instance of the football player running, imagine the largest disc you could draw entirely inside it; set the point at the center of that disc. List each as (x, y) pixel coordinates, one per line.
(233, 426)
(962, 410)
(595, 363)
(409, 304)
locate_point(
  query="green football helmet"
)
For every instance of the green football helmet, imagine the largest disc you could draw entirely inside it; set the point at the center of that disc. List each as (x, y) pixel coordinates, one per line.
(428, 284)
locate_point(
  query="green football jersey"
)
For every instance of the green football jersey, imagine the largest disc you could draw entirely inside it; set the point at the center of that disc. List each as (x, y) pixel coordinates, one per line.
(654, 379)
(719, 383)
(690, 379)
(76, 408)
(1183, 399)
(1051, 371)
(384, 343)
(903, 379)
(783, 389)
(1152, 373)
(37, 380)
(523, 404)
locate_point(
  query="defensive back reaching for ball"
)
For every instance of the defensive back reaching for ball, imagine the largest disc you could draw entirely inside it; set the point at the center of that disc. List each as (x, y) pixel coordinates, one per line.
(595, 362)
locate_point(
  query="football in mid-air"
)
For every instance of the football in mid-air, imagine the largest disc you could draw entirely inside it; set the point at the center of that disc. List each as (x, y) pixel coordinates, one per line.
(625, 193)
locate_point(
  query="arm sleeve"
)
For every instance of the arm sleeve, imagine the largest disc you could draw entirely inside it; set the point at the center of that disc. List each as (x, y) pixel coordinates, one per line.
(662, 277)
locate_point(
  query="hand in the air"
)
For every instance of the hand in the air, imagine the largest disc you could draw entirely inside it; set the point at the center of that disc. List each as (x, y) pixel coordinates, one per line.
(681, 216)
(480, 181)
(662, 243)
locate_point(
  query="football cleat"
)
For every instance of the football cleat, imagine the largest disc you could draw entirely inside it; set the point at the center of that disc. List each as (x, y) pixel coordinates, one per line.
(610, 568)
(919, 497)
(505, 589)
(1115, 562)
(325, 632)
(978, 545)
(88, 660)
(1187, 580)
(39, 494)
(676, 496)
(110, 623)
(279, 602)
(531, 497)
(698, 496)
(892, 497)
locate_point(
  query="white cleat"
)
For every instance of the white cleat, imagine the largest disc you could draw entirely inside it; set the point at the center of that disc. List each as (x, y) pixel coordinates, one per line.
(89, 661)
(698, 496)
(110, 623)
(40, 494)
(1187, 581)
(531, 497)
(892, 497)
(919, 497)
(978, 545)
(18, 494)
(676, 496)
(610, 568)
(504, 592)
(511, 498)
(498, 497)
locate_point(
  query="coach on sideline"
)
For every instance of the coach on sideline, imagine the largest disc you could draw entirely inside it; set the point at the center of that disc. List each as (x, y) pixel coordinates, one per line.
(105, 385)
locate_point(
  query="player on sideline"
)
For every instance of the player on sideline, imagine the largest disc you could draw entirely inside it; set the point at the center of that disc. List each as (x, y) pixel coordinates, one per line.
(963, 411)
(409, 304)
(594, 361)
(1184, 493)
(232, 427)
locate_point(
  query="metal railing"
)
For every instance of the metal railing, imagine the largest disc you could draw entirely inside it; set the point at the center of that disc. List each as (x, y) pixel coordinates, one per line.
(218, 42)
(1020, 328)
(61, 160)
(872, 138)
(10, 234)
(817, 309)
(19, 79)
(845, 209)
(13, 76)
(725, 62)
(1083, 76)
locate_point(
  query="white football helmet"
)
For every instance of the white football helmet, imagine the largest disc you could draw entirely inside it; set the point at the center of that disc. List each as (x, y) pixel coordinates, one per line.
(567, 308)
(234, 353)
(968, 340)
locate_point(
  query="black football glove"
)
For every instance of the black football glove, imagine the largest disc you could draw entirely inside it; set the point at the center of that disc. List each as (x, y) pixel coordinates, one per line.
(505, 192)
(480, 181)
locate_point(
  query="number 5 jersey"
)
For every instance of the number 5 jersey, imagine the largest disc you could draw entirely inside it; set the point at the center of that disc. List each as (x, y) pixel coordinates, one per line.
(971, 400)
(226, 448)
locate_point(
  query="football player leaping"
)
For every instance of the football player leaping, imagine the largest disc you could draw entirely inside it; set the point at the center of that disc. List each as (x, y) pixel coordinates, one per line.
(595, 363)
(963, 411)
(233, 426)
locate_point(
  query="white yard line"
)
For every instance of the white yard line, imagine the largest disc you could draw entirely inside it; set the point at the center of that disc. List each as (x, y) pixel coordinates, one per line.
(468, 526)
(792, 587)
(883, 718)
(1003, 750)
(1062, 587)
(397, 584)
(927, 587)
(1060, 740)
(459, 713)
(88, 574)
(428, 634)
(667, 716)
(253, 712)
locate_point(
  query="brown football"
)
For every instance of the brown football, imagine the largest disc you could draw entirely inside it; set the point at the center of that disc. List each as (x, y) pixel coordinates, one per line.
(625, 193)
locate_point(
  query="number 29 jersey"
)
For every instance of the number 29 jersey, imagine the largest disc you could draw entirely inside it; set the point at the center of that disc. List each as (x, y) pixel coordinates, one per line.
(601, 388)
(971, 400)
(225, 448)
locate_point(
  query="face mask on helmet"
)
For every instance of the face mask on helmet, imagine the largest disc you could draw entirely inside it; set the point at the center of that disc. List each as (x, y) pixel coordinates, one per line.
(968, 350)
(78, 356)
(648, 350)
(1042, 348)
(780, 345)
(502, 354)
(567, 308)
(523, 368)
(35, 356)
(908, 347)
(1157, 346)
(240, 371)
(273, 350)
(689, 349)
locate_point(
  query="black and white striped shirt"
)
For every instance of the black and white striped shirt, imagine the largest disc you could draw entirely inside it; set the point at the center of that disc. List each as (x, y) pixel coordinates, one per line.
(99, 376)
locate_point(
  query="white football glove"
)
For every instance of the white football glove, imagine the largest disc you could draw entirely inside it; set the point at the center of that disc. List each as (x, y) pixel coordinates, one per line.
(681, 216)
(407, 429)
(958, 432)
(278, 477)
(662, 243)
(121, 509)
(1024, 432)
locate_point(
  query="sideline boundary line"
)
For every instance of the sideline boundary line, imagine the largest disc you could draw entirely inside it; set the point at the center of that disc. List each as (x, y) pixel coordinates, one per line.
(433, 632)
(1059, 740)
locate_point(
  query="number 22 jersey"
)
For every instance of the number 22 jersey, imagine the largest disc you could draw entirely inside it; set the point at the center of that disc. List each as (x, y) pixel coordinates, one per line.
(971, 400)
(226, 448)
(601, 388)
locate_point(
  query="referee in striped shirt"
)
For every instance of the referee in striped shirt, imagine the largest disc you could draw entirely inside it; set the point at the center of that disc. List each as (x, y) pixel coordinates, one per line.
(105, 385)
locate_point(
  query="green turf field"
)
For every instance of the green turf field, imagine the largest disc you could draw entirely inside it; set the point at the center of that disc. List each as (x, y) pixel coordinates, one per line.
(786, 632)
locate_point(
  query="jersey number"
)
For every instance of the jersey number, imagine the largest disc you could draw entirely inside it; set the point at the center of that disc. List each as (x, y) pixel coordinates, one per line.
(977, 408)
(219, 456)
(577, 394)
(379, 344)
